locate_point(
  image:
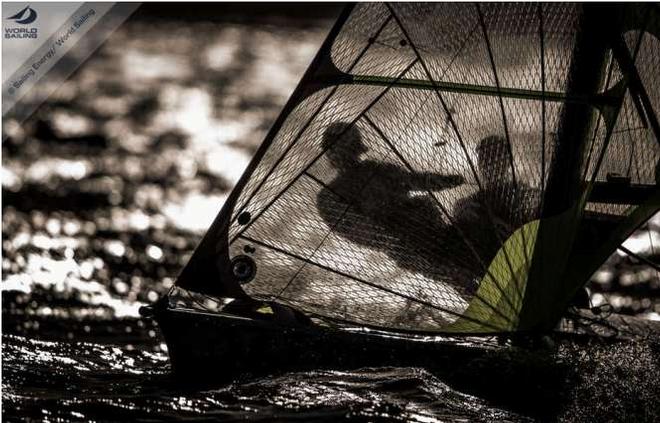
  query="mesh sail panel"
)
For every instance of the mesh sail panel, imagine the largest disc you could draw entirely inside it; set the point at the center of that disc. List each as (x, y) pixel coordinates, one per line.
(439, 165)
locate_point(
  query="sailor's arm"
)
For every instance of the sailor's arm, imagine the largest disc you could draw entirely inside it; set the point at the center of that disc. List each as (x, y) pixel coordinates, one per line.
(436, 181)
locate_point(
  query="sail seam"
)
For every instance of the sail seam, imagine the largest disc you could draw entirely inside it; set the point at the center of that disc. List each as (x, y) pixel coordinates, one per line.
(543, 105)
(516, 189)
(326, 186)
(499, 92)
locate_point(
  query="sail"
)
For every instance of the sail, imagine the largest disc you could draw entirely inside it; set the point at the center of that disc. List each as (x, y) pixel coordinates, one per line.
(448, 167)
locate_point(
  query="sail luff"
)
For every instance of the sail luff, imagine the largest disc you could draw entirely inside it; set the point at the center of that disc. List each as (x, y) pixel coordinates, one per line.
(585, 77)
(208, 270)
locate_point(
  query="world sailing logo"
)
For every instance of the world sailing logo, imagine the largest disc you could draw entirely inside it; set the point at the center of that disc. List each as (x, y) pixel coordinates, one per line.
(21, 18)
(25, 17)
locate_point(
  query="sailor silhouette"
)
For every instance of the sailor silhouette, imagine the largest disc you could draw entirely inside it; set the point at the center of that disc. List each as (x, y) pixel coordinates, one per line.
(378, 204)
(501, 206)
(489, 217)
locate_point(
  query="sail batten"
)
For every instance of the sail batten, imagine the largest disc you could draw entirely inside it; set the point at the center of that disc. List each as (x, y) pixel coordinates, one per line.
(440, 168)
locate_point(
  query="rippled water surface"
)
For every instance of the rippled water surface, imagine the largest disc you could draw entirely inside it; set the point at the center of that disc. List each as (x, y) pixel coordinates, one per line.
(110, 185)
(101, 381)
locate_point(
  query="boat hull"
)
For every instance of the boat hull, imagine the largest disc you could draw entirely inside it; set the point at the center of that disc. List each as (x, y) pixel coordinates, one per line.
(218, 348)
(229, 346)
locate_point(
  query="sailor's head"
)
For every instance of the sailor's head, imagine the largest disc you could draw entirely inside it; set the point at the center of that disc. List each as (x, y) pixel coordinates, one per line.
(493, 159)
(343, 144)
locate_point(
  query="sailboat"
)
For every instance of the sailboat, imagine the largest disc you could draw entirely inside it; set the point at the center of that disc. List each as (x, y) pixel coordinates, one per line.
(443, 173)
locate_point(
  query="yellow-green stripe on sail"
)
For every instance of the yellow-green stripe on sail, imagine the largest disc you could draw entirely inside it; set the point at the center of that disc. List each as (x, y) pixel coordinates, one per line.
(499, 298)
(544, 286)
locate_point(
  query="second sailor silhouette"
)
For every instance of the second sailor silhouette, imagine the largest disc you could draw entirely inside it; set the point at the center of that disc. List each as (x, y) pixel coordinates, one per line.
(383, 206)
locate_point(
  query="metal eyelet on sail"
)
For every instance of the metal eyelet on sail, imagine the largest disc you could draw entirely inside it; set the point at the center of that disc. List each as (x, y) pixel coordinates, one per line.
(244, 268)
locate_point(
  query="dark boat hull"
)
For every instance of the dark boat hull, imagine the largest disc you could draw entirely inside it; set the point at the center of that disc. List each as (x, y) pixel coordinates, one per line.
(217, 348)
(231, 346)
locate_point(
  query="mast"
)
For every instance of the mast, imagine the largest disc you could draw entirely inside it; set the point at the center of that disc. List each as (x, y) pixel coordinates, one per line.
(586, 74)
(560, 214)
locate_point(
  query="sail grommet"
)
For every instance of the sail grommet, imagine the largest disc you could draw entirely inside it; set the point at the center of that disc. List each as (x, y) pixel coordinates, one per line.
(243, 268)
(244, 218)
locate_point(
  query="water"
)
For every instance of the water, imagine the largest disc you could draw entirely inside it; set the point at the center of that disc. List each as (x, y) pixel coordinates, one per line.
(109, 187)
(101, 380)
(105, 382)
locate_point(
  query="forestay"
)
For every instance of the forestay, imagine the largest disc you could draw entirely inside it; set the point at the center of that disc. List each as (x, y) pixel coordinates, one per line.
(448, 167)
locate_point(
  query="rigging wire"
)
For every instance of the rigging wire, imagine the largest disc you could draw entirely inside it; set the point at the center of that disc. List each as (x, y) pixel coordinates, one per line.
(543, 105)
(644, 260)
(657, 272)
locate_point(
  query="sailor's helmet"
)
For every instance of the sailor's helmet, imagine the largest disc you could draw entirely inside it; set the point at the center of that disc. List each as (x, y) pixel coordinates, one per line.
(342, 143)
